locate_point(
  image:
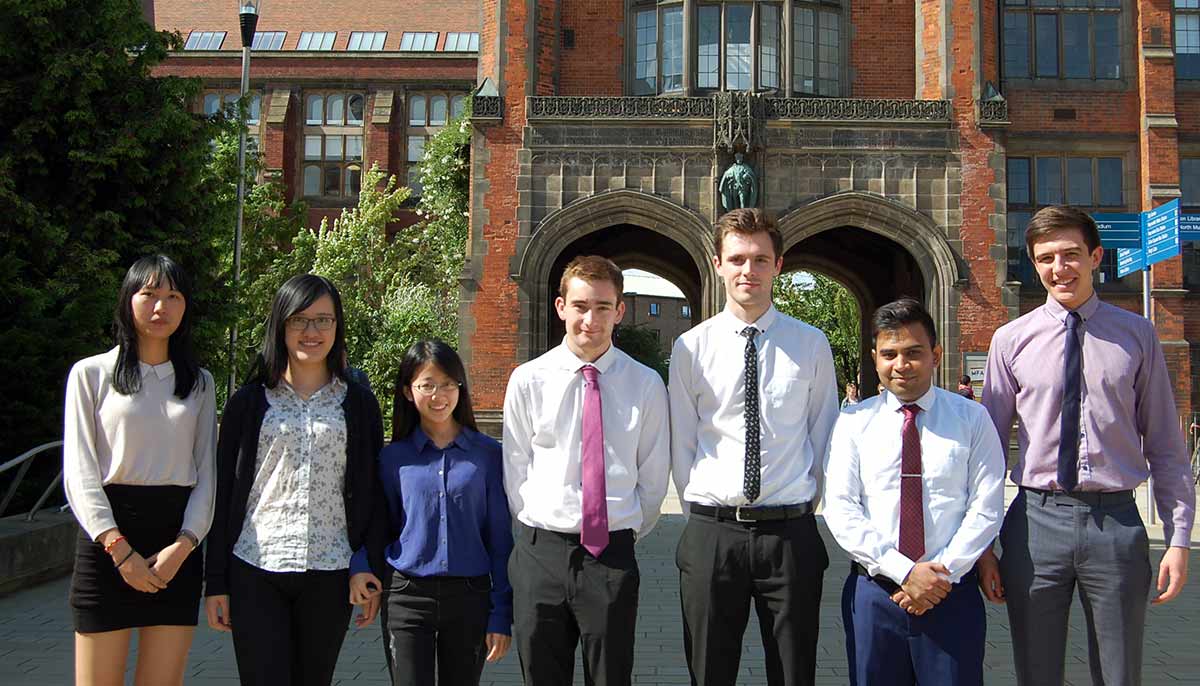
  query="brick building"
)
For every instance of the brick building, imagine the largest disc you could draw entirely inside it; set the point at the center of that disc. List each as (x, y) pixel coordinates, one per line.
(901, 145)
(655, 304)
(336, 85)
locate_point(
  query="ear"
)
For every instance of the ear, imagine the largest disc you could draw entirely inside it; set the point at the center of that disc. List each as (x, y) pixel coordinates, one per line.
(778, 265)
(937, 355)
(560, 306)
(1097, 255)
(620, 312)
(716, 261)
(408, 393)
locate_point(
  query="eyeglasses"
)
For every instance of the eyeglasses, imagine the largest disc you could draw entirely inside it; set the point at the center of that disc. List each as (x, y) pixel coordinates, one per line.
(298, 323)
(447, 388)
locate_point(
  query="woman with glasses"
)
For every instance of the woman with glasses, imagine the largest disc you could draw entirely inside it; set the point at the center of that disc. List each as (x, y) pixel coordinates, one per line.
(296, 478)
(138, 440)
(449, 604)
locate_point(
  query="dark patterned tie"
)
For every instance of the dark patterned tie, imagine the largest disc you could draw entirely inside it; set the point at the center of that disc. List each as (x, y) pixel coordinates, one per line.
(912, 505)
(1068, 437)
(752, 476)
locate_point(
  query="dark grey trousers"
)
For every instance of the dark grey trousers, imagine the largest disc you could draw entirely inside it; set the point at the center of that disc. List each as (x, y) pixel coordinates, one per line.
(1055, 542)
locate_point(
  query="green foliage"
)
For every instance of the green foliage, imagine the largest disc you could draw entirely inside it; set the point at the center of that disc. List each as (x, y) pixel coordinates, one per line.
(441, 239)
(642, 345)
(99, 164)
(827, 305)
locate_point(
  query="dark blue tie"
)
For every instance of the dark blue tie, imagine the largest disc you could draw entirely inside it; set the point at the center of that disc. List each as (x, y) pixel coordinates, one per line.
(1068, 438)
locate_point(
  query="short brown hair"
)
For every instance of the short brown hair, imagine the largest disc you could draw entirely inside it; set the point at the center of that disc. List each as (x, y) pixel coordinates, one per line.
(747, 221)
(1059, 217)
(592, 268)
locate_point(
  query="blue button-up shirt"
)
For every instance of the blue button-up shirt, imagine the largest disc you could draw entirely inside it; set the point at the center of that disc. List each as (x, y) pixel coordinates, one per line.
(449, 507)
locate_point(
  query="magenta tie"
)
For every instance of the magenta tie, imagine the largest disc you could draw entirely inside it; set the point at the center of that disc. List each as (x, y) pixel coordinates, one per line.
(593, 532)
(912, 502)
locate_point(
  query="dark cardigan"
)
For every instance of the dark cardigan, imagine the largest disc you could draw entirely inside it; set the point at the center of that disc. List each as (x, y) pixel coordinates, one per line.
(237, 457)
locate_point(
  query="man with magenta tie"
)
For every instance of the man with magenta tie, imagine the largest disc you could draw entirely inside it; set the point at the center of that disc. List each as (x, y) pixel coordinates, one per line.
(914, 491)
(1088, 383)
(586, 462)
(753, 400)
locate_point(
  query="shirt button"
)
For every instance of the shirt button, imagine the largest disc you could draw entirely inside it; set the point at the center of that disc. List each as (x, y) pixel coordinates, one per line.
(443, 495)
(439, 472)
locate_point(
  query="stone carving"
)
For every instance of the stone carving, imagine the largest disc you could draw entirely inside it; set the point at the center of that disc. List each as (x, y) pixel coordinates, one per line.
(739, 121)
(858, 109)
(577, 107)
(739, 185)
(993, 112)
(487, 108)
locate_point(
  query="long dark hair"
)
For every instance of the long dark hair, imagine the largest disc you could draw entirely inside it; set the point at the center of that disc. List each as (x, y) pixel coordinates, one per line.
(295, 295)
(405, 417)
(127, 375)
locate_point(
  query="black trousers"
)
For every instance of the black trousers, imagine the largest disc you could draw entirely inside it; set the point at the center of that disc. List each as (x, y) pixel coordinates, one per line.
(725, 564)
(288, 627)
(436, 624)
(562, 596)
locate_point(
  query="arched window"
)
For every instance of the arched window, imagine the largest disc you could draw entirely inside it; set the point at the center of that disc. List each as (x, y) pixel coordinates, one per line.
(315, 111)
(457, 104)
(312, 180)
(353, 180)
(354, 109)
(416, 110)
(335, 110)
(212, 103)
(437, 110)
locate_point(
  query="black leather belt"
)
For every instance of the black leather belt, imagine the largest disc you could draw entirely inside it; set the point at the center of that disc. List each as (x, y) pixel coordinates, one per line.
(752, 515)
(882, 581)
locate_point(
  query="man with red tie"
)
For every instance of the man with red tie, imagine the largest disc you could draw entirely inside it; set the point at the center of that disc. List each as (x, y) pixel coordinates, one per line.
(914, 491)
(586, 462)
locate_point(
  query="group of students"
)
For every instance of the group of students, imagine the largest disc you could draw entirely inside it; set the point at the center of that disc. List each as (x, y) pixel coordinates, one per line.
(462, 543)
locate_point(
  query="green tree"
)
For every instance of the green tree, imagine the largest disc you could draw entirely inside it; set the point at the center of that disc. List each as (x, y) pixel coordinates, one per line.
(642, 345)
(827, 305)
(99, 164)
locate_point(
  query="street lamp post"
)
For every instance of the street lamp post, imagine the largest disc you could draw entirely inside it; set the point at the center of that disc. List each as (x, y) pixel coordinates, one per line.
(248, 14)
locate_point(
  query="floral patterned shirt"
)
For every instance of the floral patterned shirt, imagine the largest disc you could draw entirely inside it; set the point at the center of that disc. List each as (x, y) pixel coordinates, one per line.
(296, 514)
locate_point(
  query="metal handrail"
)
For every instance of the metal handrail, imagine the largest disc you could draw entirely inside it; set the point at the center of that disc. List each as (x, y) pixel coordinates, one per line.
(23, 461)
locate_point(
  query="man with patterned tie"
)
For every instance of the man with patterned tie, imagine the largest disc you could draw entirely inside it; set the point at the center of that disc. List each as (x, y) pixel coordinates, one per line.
(914, 492)
(753, 400)
(586, 458)
(1089, 385)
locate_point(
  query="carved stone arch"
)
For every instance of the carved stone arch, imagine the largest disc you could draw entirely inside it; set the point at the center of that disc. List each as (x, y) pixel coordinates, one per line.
(536, 255)
(941, 268)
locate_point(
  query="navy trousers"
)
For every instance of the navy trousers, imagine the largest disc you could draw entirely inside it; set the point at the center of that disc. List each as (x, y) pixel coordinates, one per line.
(885, 645)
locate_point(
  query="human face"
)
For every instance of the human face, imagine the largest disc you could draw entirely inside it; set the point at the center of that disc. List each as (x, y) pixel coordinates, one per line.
(590, 310)
(748, 265)
(905, 361)
(311, 345)
(1065, 266)
(436, 408)
(157, 310)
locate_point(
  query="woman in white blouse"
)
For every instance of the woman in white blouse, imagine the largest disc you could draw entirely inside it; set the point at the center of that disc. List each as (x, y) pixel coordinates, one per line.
(296, 482)
(138, 444)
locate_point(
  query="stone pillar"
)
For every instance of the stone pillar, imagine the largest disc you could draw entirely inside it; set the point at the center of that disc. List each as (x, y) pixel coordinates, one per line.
(689, 47)
(788, 46)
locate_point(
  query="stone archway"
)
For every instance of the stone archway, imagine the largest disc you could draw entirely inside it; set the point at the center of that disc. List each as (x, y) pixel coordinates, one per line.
(924, 266)
(654, 234)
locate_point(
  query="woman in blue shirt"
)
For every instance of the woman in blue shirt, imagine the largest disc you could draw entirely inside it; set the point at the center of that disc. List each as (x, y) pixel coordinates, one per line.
(449, 605)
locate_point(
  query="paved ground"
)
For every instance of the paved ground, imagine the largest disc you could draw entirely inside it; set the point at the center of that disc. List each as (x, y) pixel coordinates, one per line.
(36, 638)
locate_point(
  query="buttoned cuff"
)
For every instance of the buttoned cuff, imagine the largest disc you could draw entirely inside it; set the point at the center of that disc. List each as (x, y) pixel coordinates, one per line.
(359, 562)
(1180, 538)
(498, 624)
(895, 566)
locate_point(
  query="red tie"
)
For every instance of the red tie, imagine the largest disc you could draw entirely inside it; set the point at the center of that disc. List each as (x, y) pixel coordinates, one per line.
(593, 530)
(912, 506)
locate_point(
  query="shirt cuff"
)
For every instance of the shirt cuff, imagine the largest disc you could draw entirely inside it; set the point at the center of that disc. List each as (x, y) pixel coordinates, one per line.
(895, 566)
(499, 625)
(359, 562)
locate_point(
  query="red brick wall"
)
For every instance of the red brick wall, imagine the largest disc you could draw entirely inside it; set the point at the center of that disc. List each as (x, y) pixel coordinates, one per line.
(883, 68)
(594, 65)
(931, 40)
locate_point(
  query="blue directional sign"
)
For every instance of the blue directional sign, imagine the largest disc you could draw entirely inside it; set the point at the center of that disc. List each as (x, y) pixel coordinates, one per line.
(1160, 232)
(1130, 260)
(1119, 230)
(1189, 227)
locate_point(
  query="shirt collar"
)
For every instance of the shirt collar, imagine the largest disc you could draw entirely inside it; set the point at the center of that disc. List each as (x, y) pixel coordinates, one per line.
(563, 357)
(419, 439)
(764, 322)
(162, 371)
(925, 402)
(1086, 310)
(335, 387)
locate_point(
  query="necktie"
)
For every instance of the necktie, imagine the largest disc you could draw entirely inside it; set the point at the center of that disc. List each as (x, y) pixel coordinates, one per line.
(912, 505)
(593, 532)
(1068, 437)
(751, 479)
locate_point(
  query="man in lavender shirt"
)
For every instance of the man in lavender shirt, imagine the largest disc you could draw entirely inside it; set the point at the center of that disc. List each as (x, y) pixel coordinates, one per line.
(1089, 385)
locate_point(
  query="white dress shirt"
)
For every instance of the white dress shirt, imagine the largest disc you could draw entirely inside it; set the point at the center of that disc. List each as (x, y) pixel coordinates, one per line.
(150, 438)
(963, 485)
(296, 511)
(543, 439)
(797, 409)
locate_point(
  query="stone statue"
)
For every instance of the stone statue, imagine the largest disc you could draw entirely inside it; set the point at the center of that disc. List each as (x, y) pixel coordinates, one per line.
(739, 186)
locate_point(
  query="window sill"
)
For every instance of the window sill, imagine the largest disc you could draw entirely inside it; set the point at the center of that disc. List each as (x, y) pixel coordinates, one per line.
(1085, 85)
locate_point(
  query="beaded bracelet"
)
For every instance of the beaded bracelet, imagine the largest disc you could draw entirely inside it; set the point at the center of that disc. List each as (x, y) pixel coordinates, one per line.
(112, 544)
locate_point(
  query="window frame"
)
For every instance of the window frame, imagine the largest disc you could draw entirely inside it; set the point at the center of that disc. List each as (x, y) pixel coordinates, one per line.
(273, 45)
(408, 41)
(342, 127)
(426, 129)
(1032, 10)
(1194, 12)
(204, 40)
(322, 39)
(375, 37)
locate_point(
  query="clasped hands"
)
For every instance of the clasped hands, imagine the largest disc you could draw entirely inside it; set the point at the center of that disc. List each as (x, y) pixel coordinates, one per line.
(927, 584)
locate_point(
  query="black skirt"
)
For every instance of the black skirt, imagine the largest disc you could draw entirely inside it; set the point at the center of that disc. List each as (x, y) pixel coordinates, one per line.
(150, 518)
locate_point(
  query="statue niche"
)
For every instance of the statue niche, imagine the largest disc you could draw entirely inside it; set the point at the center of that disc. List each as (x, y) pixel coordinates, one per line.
(739, 185)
